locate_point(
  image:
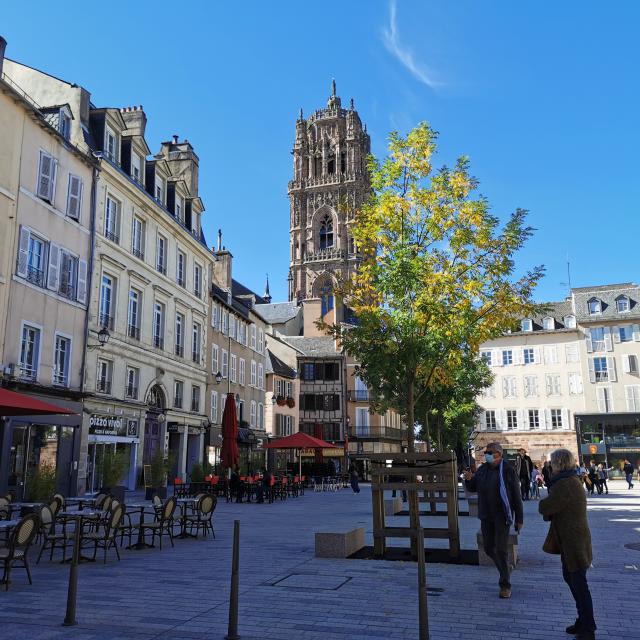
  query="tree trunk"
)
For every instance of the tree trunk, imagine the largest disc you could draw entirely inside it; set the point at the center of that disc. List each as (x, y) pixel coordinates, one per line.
(427, 431)
(439, 432)
(410, 417)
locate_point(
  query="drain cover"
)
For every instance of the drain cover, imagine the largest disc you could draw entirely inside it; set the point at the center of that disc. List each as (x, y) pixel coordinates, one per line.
(635, 546)
(312, 581)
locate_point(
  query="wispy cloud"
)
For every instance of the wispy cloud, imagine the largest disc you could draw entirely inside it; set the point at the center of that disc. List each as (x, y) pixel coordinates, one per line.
(404, 55)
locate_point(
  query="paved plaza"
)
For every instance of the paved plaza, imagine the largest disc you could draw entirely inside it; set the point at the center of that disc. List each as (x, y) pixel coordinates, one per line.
(287, 594)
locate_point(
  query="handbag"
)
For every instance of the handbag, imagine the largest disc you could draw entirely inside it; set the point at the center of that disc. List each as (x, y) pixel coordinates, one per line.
(551, 543)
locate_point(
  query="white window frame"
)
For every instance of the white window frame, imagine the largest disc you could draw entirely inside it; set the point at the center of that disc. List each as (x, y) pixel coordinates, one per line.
(260, 375)
(196, 394)
(214, 407)
(215, 364)
(135, 387)
(225, 363)
(553, 384)
(112, 215)
(181, 268)
(254, 373)
(627, 303)
(234, 367)
(491, 421)
(178, 385)
(242, 372)
(526, 325)
(548, 323)
(594, 306)
(632, 397)
(137, 163)
(557, 417)
(530, 386)
(161, 254)
(159, 190)
(509, 387)
(197, 280)
(109, 133)
(159, 322)
(67, 365)
(138, 233)
(569, 321)
(526, 352)
(533, 419)
(252, 413)
(507, 357)
(253, 337)
(196, 342)
(107, 365)
(180, 326)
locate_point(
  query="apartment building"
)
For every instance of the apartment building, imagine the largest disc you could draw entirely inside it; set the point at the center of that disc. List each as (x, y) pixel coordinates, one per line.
(46, 220)
(236, 362)
(538, 385)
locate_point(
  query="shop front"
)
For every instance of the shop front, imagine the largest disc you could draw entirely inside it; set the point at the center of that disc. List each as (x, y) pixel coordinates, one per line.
(213, 452)
(111, 428)
(186, 447)
(610, 439)
(39, 454)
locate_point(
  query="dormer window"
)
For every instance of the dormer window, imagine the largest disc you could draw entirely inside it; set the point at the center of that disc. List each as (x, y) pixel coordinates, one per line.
(111, 144)
(622, 304)
(569, 322)
(548, 323)
(179, 209)
(595, 306)
(526, 325)
(159, 192)
(64, 123)
(136, 167)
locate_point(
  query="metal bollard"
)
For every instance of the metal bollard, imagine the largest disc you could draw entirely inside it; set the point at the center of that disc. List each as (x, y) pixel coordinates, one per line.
(423, 616)
(70, 617)
(232, 629)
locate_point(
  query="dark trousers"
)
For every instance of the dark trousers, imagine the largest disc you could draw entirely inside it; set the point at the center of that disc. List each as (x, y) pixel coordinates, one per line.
(495, 536)
(525, 487)
(630, 479)
(354, 485)
(577, 581)
(603, 483)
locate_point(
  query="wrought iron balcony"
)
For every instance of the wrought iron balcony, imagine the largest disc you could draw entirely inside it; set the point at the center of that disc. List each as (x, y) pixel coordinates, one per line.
(377, 432)
(131, 391)
(105, 321)
(133, 332)
(179, 350)
(358, 395)
(138, 253)
(35, 276)
(103, 386)
(112, 235)
(158, 342)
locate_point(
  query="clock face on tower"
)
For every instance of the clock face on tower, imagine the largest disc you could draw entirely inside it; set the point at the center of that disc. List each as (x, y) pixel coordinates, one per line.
(330, 181)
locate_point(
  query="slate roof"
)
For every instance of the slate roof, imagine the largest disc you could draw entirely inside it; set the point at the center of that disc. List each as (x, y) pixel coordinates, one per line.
(607, 294)
(278, 312)
(323, 347)
(556, 310)
(238, 289)
(278, 367)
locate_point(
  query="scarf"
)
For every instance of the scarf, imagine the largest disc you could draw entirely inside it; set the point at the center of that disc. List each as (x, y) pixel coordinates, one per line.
(561, 476)
(504, 496)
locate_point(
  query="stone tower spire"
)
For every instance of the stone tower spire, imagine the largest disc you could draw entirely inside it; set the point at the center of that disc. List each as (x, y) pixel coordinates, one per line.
(267, 293)
(330, 181)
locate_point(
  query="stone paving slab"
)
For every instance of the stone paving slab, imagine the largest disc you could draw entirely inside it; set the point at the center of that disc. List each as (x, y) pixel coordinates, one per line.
(183, 592)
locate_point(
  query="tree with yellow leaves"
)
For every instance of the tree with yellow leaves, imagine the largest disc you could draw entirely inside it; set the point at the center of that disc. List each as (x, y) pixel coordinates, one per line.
(436, 277)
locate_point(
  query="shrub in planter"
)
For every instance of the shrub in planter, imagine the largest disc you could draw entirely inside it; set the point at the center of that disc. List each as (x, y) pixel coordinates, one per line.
(281, 401)
(197, 473)
(160, 466)
(291, 403)
(41, 484)
(112, 467)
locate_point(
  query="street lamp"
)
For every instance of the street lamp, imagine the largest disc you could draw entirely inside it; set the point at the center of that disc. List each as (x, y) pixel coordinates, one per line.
(103, 336)
(218, 378)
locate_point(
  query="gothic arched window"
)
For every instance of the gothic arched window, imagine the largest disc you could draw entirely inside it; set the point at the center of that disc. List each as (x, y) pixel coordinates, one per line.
(326, 232)
(326, 297)
(156, 399)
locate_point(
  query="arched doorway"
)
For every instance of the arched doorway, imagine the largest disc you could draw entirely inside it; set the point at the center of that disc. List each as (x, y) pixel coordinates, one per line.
(156, 404)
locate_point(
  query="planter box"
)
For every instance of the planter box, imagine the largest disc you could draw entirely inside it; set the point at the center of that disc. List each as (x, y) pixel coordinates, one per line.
(339, 545)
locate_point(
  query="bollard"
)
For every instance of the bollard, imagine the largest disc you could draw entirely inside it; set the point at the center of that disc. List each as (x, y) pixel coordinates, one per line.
(232, 629)
(70, 617)
(423, 617)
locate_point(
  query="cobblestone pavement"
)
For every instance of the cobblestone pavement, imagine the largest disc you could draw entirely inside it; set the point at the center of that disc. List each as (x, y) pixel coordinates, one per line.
(182, 593)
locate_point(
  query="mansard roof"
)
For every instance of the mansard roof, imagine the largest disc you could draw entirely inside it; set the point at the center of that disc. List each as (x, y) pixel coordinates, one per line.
(278, 312)
(320, 347)
(607, 295)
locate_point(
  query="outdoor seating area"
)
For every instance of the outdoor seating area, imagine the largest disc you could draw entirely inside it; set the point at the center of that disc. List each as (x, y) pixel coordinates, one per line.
(102, 522)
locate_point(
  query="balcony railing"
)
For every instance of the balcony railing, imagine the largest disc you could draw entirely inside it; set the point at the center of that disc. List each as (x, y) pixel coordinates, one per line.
(27, 371)
(67, 290)
(602, 376)
(179, 351)
(105, 320)
(103, 386)
(131, 391)
(195, 356)
(111, 235)
(158, 342)
(378, 431)
(138, 253)
(161, 268)
(60, 378)
(36, 276)
(358, 395)
(331, 253)
(133, 332)
(177, 402)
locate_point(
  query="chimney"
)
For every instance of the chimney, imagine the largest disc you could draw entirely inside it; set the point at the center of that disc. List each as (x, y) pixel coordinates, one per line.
(135, 120)
(3, 45)
(219, 239)
(175, 138)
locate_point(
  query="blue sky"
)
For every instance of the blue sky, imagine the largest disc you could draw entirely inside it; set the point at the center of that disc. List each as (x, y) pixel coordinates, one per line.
(543, 97)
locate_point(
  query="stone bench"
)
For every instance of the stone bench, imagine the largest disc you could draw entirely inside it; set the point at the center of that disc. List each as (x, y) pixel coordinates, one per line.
(512, 547)
(339, 545)
(392, 506)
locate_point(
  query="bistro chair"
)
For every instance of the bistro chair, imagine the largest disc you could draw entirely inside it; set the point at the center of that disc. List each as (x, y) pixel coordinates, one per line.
(50, 537)
(17, 549)
(105, 535)
(4, 508)
(99, 501)
(163, 524)
(202, 516)
(61, 498)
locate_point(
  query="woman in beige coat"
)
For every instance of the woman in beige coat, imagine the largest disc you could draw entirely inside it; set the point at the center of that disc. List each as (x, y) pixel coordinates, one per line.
(569, 536)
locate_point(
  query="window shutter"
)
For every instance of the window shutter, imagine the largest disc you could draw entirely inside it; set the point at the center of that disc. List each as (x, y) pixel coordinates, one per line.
(74, 197)
(608, 343)
(601, 400)
(82, 281)
(587, 337)
(592, 371)
(23, 252)
(611, 368)
(565, 419)
(501, 418)
(505, 388)
(578, 379)
(636, 332)
(628, 395)
(547, 418)
(626, 364)
(53, 275)
(518, 356)
(483, 421)
(542, 419)
(498, 358)
(549, 385)
(616, 333)
(536, 355)
(522, 417)
(46, 177)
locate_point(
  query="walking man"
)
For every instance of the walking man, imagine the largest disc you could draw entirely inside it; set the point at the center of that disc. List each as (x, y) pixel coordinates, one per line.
(628, 472)
(524, 467)
(499, 499)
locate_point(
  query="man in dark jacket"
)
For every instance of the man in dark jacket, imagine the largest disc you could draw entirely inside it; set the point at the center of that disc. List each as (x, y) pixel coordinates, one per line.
(499, 504)
(524, 467)
(628, 472)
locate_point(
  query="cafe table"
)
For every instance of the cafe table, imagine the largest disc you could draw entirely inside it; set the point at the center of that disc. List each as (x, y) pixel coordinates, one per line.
(79, 518)
(80, 501)
(183, 503)
(6, 526)
(141, 543)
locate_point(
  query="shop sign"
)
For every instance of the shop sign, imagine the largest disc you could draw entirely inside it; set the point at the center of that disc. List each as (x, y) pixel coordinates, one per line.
(593, 449)
(172, 427)
(624, 449)
(107, 425)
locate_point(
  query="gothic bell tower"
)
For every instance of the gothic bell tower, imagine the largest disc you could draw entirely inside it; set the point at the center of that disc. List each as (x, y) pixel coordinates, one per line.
(330, 181)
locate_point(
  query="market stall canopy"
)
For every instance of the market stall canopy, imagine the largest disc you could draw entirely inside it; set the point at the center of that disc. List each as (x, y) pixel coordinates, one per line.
(299, 440)
(19, 404)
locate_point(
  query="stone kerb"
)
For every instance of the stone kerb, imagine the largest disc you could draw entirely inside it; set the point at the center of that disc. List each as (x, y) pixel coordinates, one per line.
(339, 545)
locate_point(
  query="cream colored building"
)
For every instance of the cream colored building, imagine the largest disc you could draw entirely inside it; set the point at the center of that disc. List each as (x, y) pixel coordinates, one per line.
(46, 218)
(538, 385)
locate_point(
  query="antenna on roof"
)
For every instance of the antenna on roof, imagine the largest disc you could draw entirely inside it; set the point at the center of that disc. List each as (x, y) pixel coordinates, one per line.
(568, 282)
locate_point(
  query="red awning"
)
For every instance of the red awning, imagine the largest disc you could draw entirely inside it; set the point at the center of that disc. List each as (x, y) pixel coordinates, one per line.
(299, 440)
(19, 404)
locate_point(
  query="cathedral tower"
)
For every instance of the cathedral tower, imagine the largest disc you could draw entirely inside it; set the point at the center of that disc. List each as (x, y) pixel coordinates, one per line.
(330, 181)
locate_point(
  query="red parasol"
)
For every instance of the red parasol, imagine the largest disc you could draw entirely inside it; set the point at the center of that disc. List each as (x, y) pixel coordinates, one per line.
(19, 404)
(230, 454)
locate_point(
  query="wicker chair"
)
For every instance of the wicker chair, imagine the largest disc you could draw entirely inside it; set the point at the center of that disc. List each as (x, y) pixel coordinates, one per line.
(203, 515)
(49, 535)
(105, 536)
(99, 501)
(17, 549)
(4, 508)
(163, 524)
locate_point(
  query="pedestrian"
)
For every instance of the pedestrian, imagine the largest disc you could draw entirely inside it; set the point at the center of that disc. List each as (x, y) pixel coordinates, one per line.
(524, 467)
(499, 505)
(264, 486)
(353, 477)
(566, 509)
(628, 472)
(546, 474)
(594, 479)
(535, 488)
(603, 476)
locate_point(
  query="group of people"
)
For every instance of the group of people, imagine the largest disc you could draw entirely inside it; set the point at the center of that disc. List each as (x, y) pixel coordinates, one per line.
(594, 477)
(501, 490)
